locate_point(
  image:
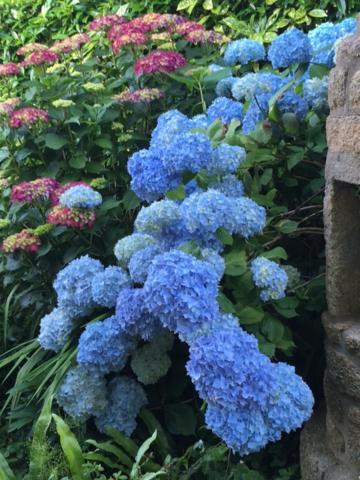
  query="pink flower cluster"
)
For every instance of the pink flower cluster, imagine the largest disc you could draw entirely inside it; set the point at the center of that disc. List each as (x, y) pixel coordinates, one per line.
(29, 48)
(39, 57)
(187, 27)
(145, 95)
(206, 36)
(35, 190)
(72, 217)
(9, 105)
(105, 22)
(26, 241)
(27, 116)
(70, 44)
(9, 69)
(134, 38)
(159, 61)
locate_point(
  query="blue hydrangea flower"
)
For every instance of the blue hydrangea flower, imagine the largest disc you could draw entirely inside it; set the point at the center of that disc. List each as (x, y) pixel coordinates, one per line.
(257, 112)
(346, 27)
(192, 187)
(133, 316)
(140, 263)
(150, 178)
(80, 196)
(213, 68)
(290, 402)
(224, 109)
(82, 394)
(251, 84)
(150, 364)
(224, 87)
(106, 285)
(215, 260)
(55, 329)
(243, 430)
(322, 40)
(229, 185)
(248, 218)
(227, 368)
(268, 276)
(243, 51)
(104, 347)
(127, 246)
(292, 46)
(315, 93)
(226, 159)
(181, 291)
(158, 218)
(73, 285)
(200, 121)
(187, 152)
(126, 398)
(169, 125)
(290, 102)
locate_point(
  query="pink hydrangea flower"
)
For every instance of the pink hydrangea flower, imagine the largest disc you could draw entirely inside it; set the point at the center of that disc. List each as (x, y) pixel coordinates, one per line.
(159, 61)
(9, 105)
(187, 27)
(72, 217)
(39, 57)
(55, 194)
(26, 241)
(35, 190)
(123, 29)
(30, 47)
(134, 38)
(70, 44)
(145, 95)
(107, 21)
(27, 116)
(206, 36)
(9, 69)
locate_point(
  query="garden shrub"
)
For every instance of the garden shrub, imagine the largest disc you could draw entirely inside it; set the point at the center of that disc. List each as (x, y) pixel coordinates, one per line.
(223, 191)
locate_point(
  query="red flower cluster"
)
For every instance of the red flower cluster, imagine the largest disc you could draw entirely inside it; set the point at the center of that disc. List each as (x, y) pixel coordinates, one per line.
(159, 61)
(26, 241)
(105, 22)
(72, 217)
(205, 36)
(39, 189)
(27, 116)
(134, 38)
(187, 27)
(9, 105)
(8, 69)
(39, 57)
(70, 44)
(30, 47)
(145, 95)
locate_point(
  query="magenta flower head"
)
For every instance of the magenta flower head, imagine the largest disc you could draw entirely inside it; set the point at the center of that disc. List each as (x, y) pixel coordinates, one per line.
(144, 95)
(29, 48)
(9, 105)
(39, 57)
(134, 38)
(26, 241)
(72, 217)
(36, 190)
(206, 36)
(105, 22)
(187, 27)
(159, 61)
(9, 69)
(70, 44)
(27, 116)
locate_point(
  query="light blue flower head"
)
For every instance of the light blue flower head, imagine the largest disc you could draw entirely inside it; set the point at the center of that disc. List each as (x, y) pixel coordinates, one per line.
(80, 196)
(55, 329)
(289, 48)
(243, 52)
(127, 246)
(269, 277)
(225, 109)
(107, 284)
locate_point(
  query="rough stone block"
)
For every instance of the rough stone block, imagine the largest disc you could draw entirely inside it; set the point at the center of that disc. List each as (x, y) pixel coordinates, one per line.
(343, 133)
(354, 91)
(343, 372)
(337, 88)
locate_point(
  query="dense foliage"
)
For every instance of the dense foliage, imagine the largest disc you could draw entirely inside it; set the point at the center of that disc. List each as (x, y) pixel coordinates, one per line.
(139, 241)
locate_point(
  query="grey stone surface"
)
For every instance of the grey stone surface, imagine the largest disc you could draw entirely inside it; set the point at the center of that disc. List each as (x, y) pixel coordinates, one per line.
(330, 443)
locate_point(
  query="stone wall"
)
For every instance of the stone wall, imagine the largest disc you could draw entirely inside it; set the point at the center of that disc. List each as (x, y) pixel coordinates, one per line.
(330, 447)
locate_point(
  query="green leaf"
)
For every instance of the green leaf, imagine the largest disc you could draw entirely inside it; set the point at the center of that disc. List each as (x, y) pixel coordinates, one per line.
(286, 226)
(286, 307)
(108, 447)
(153, 425)
(54, 141)
(109, 204)
(78, 161)
(267, 349)
(317, 13)
(37, 461)
(180, 419)
(130, 200)
(224, 236)
(295, 158)
(250, 316)
(188, 5)
(126, 443)
(277, 253)
(272, 329)
(104, 142)
(235, 263)
(291, 123)
(5, 471)
(225, 304)
(71, 448)
(177, 194)
(208, 5)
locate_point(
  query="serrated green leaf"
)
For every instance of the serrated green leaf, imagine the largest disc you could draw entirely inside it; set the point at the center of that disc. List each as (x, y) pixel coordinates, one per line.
(54, 141)
(224, 236)
(250, 316)
(235, 263)
(277, 253)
